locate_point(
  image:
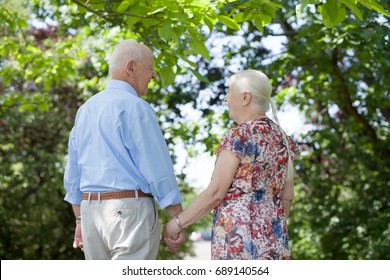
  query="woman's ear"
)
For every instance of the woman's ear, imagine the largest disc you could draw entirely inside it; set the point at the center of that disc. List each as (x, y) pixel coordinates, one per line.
(246, 98)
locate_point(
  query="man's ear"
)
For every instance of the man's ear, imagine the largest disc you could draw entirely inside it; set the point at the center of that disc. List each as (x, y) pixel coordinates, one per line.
(246, 98)
(130, 67)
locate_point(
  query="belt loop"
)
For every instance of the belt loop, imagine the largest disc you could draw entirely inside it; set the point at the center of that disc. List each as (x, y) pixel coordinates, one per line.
(136, 194)
(89, 197)
(99, 197)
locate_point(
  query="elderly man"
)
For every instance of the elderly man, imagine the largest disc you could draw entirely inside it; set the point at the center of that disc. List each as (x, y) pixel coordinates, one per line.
(118, 162)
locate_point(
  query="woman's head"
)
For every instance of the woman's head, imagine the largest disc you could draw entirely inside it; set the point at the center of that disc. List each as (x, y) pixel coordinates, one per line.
(256, 83)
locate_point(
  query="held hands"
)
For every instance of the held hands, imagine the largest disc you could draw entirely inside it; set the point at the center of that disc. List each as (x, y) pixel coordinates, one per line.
(173, 235)
(78, 239)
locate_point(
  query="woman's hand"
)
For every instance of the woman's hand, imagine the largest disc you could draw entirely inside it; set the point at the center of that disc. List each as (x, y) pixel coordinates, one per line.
(173, 236)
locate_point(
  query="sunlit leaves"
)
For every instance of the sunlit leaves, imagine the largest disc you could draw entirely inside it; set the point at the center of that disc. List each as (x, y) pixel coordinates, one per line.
(9, 17)
(334, 11)
(179, 24)
(229, 22)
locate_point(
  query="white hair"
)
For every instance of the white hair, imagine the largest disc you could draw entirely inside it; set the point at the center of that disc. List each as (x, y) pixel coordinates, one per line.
(258, 84)
(125, 51)
(255, 82)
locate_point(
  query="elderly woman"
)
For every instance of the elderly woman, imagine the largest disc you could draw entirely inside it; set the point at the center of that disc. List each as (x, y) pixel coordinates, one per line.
(251, 188)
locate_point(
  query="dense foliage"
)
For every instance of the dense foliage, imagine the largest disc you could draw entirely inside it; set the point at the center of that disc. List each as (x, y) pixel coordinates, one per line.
(332, 66)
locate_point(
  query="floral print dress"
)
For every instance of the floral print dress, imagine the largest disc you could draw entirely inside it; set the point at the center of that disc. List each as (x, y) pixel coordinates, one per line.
(250, 223)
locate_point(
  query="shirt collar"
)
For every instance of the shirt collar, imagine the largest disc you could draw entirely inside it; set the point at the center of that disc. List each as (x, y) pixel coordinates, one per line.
(121, 85)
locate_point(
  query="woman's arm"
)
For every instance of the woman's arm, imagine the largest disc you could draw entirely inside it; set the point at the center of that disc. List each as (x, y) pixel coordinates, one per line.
(225, 168)
(287, 196)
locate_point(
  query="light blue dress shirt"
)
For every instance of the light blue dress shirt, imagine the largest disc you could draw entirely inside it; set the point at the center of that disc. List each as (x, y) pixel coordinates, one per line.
(117, 144)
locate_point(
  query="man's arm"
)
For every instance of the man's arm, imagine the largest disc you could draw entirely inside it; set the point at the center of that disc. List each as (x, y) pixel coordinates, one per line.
(150, 155)
(78, 239)
(174, 211)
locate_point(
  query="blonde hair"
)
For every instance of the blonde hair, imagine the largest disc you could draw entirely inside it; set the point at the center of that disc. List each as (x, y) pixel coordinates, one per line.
(125, 51)
(258, 84)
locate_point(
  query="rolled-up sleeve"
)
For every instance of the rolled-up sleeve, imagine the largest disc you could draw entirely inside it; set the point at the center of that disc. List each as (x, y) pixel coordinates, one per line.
(165, 192)
(72, 174)
(150, 153)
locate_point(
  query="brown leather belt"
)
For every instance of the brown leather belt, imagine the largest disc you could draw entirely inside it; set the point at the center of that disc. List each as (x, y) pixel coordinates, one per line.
(113, 195)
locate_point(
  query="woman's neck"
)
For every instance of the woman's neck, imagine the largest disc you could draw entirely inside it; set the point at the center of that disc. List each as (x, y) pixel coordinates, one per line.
(253, 116)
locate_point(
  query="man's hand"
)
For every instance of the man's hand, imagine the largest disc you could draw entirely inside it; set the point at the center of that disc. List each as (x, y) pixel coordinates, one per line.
(78, 239)
(173, 236)
(174, 244)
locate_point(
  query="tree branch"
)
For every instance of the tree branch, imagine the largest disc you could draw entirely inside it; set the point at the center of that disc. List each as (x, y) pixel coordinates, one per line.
(346, 98)
(77, 2)
(288, 30)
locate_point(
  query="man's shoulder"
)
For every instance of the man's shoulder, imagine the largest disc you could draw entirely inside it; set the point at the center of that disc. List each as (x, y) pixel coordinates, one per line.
(120, 97)
(122, 100)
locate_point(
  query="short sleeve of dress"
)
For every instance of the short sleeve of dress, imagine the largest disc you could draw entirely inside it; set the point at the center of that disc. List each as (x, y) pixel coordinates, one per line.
(294, 148)
(234, 140)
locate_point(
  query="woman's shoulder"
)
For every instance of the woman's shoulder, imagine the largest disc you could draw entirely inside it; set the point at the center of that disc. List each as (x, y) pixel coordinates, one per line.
(239, 130)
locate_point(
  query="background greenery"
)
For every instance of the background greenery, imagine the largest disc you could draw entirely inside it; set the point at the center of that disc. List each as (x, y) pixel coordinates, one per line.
(333, 65)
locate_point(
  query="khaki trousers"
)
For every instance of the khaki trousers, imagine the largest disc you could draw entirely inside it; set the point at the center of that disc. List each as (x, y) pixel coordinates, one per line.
(120, 229)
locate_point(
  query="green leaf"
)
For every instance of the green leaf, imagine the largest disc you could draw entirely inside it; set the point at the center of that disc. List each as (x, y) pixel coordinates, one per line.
(193, 32)
(26, 107)
(373, 5)
(279, 6)
(200, 3)
(266, 20)
(209, 22)
(301, 6)
(167, 76)
(44, 106)
(9, 101)
(200, 76)
(332, 14)
(268, 10)
(150, 22)
(258, 23)
(229, 22)
(174, 34)
(199, 47)
(157, 10)
(241, 17)
(351, 4)
(165, 30)
(125, 5)
(131, 21)
(191, 63)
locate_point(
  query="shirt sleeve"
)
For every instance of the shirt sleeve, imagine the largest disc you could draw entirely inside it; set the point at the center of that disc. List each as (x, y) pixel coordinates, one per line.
(150, 154)
(72, 174)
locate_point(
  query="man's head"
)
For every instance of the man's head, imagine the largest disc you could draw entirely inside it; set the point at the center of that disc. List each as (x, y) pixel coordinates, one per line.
(133, 62)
